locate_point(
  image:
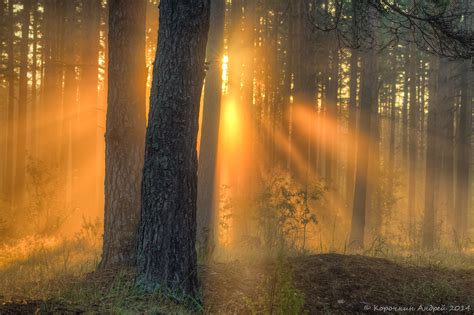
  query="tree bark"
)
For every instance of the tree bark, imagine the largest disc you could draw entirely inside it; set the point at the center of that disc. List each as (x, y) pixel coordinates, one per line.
(125, 131)
(167, 234)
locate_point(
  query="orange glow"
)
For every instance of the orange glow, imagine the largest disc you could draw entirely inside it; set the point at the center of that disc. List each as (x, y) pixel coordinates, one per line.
(231, 124)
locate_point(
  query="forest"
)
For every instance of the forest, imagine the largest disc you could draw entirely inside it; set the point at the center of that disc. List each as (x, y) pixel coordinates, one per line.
(236, 156)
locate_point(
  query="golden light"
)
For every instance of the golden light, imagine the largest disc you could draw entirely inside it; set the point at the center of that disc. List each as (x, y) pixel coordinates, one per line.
(231, 128)
(225, 74)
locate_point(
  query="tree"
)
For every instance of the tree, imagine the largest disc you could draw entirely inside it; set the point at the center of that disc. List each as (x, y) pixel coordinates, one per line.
(413, 140)
(166, 257)
(367, 99)
(51, 84)
(69, 98)
(433, 155)
(463, 150)
(8, 184)
(210, 127)
(352, 120)
(125, 130)
(20, 173)
(304, 87)
(88, 95)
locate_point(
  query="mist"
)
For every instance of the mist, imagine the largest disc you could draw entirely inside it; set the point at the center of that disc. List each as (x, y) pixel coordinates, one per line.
(324, 127)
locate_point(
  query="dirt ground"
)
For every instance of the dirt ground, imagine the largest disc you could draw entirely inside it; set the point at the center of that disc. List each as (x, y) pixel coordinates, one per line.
(316, 284)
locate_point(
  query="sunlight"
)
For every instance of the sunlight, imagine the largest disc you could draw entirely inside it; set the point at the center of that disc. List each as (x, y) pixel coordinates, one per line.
(232, 123)
(225, 74)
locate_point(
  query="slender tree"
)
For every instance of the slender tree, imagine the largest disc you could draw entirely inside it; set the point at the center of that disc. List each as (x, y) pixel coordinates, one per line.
(413, 139)
(433, 155)
(125, 130)
(367, 99)
(352, 120)
(69, 96)
(21, 152)
(463, 155)
(52, 84)
(206, 201)
(8, 181)
(88, 95)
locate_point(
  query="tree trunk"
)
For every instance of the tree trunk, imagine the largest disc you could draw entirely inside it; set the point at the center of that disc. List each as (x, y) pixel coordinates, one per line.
(206, 202)
(393, 121)
(167, 234)
(20, 159)
(52, 85)
(88, 93)
(405, 111)
(413, 142)
(367, 99)
(33, 130)
(373, 199)
(304, 86)
(10, 155)
(125, 131)
(463, 154)
(331, 112)
(432, 161)
(69, 100)
(352, 119)
(351, 150)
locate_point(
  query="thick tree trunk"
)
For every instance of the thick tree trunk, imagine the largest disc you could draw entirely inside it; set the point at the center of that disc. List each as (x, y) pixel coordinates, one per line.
(167, 234)
(125, 130)
(206, 202)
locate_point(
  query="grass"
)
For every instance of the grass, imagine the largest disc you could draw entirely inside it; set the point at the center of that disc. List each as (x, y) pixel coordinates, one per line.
(55, 275)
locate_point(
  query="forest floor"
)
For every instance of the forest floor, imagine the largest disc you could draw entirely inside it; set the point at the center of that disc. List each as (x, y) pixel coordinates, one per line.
(313, 284)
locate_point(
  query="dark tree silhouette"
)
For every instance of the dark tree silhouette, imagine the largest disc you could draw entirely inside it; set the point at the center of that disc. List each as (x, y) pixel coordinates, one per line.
(125, 130)
(167, 234)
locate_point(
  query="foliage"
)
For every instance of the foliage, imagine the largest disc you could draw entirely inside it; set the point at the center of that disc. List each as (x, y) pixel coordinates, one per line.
(282, 297)
(283, 211)
(47, 206)
(280, 213)
(29, 264)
